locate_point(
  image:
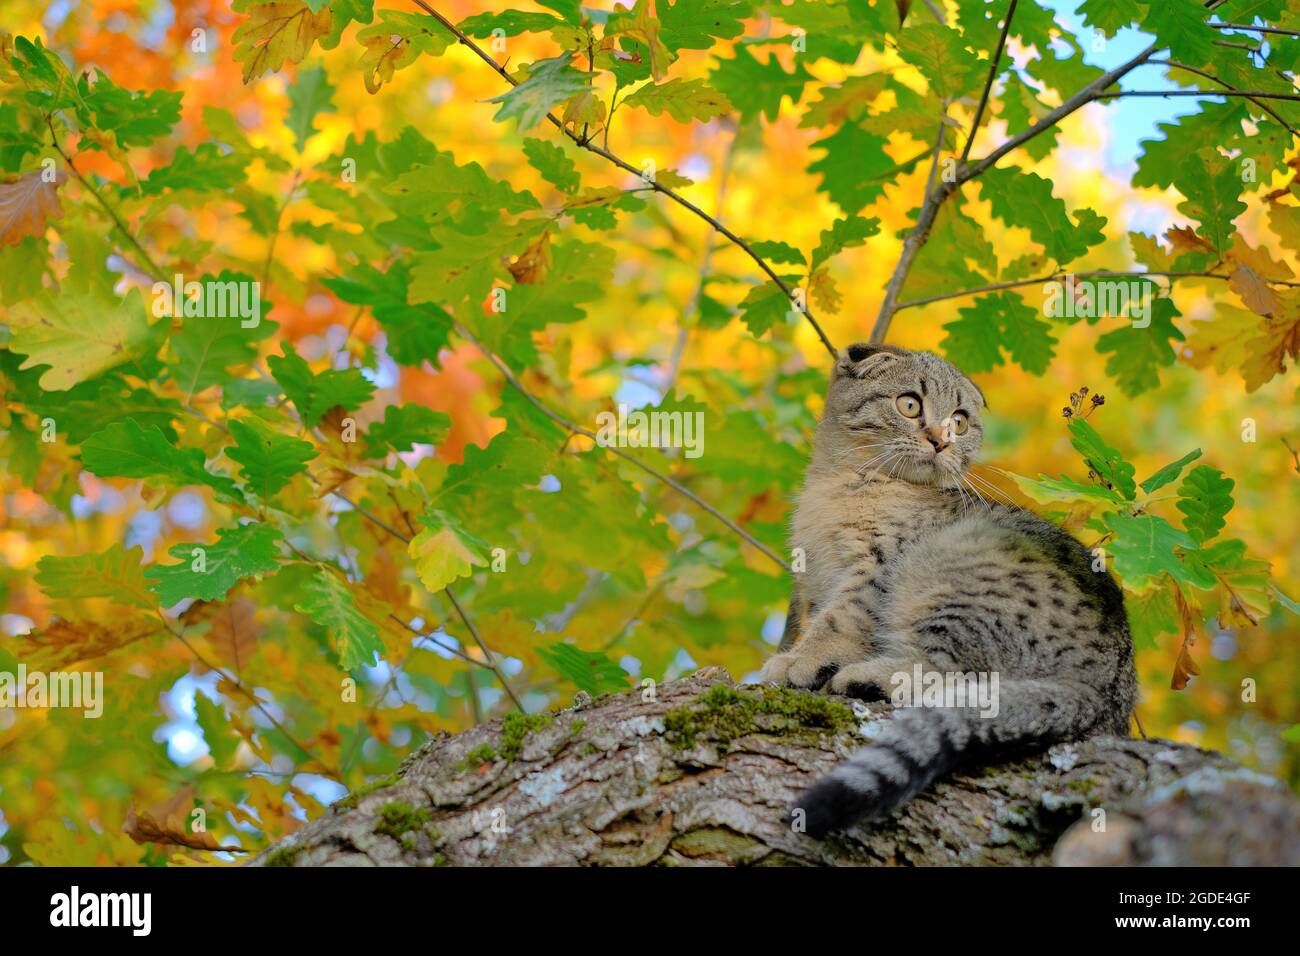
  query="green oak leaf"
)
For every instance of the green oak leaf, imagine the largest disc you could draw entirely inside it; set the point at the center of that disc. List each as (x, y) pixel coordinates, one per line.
(80, 334)
(1110, 16)
(405, 426)
(126, 449)
(414, 333)
(684, 100)
(855, 169)
(999, 321)
(1245, 596)
(1150, 614)
(1063, 488)
(695, 24)
(1181, 27)
(555, 165)
(1143, 548)
(844, 233)
(328, 601)
(207, 349)
(1169, 472)
(1205, 498)
(310, 94)
(939, 52)
(509, 22)
(222, 741)
(1108, 463)
(591, 671)
(313, 394)
(1214, 186)
(134, 118)
(578, 274)
(766, 305)
(209, 571)
(1139, 353)
(781, 253)
(1021, 198)
(549, 83)
(115, 574)
(204, 169)
(756, 88)
(268, 460)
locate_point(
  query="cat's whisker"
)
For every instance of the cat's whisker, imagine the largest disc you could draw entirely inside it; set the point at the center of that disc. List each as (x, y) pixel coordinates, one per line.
(976, 492)
(993, 490)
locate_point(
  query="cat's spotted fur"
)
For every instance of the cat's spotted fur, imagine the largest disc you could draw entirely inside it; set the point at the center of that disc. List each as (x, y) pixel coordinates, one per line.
(905, 565)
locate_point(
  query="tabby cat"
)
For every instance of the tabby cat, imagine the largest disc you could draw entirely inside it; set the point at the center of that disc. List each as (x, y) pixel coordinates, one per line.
(906, 565)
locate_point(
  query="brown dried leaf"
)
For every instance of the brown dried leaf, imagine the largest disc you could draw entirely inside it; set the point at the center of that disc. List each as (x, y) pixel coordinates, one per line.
(168, 823)
(532, 264)
(1254, 291)
(26, 203)
(62, 643)
(235, 632)
(824, 291)
(1184, 239)
(1185, 666)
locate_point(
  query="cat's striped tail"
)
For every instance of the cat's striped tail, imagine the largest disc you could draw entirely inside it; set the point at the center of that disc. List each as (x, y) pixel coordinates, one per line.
(918, 745)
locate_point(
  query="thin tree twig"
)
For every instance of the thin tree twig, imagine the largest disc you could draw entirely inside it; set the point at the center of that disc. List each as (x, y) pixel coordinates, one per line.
(487, 651)
(988, 84)
(275, 235)
(334, 772)
(1057, 276)
(112, 213)
(706, 259)
(587, 144)
(577, 429)
(1214, 79)
(460, 611)
(937, 12)
(1247, 94)
(1242, 26)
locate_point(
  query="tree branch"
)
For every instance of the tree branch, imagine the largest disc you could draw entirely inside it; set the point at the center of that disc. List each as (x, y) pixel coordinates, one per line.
(915, 239)
(988, 84)
(618, 782)
(591, 147)
(965, 173)
(1079, 99)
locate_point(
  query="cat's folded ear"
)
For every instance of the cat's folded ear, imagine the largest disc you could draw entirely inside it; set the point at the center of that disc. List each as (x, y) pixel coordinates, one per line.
(865, 359)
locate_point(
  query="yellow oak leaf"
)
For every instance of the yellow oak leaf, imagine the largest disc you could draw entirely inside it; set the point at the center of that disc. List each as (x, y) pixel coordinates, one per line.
(78, 334)
(275, 32)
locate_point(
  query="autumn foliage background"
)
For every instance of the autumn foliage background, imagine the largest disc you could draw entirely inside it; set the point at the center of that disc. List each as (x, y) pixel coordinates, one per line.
(610, 576)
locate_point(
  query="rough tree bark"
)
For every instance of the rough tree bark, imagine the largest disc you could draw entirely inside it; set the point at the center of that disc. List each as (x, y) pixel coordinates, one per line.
(703, 771)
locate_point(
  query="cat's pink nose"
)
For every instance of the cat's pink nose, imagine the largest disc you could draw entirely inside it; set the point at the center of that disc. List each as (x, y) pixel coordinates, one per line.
(935, 437)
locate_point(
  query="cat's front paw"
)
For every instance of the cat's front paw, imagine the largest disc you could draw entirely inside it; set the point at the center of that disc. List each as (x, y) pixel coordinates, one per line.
(864, 680)
(800, 668)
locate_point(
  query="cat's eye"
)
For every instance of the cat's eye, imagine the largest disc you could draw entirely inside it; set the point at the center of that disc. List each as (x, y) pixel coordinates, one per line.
(909, 405)
(960, 423)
